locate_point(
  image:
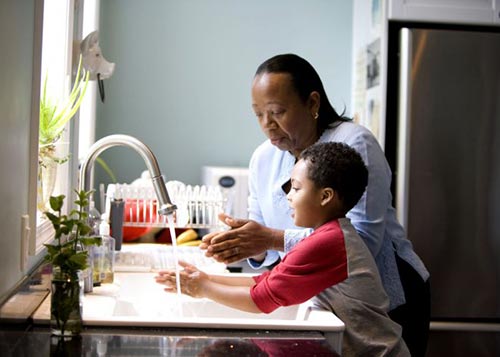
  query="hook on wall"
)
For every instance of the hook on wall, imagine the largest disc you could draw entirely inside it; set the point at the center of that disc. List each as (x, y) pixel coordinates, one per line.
(94, 62)
(100, 83)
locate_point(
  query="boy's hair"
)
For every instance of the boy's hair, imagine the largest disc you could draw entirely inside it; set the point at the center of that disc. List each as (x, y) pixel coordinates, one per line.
(338, 166)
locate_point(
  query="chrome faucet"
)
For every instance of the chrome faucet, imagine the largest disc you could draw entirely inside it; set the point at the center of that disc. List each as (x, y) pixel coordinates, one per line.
(165, 205)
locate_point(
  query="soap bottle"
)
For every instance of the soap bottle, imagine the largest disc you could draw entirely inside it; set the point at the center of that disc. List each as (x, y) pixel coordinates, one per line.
(94, 218)
(104, 255)
(117, 212)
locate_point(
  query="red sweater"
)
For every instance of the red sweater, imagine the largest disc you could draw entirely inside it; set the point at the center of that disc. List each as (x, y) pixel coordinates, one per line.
(334, 266)
(314, 264)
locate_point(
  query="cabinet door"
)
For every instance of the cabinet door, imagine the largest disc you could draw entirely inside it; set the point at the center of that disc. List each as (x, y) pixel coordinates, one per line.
(446, 11)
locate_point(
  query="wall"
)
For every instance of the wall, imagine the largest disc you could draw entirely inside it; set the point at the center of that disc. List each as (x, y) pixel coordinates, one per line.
(16, 43)
(184, 70)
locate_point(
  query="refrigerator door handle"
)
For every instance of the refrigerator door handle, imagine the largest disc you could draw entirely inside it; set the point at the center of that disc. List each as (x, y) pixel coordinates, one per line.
(404, 120)
(465, 326)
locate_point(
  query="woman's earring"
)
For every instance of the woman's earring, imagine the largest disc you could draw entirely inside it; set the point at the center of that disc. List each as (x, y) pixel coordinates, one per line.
(316, 116)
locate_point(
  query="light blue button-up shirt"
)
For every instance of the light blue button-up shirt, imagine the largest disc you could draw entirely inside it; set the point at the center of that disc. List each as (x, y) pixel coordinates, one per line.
(374, 217)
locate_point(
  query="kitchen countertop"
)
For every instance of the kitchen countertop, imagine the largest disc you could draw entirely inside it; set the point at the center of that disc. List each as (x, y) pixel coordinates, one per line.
(30, 340)
(21, 336)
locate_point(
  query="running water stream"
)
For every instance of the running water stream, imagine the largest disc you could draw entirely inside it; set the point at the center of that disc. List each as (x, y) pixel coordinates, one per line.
(173, 236)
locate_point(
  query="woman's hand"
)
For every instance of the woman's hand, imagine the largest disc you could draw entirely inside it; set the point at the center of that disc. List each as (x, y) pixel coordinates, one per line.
(245, 239)
(192, 280)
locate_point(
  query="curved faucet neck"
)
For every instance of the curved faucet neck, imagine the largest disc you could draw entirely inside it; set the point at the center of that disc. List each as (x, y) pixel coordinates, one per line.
(165, 205)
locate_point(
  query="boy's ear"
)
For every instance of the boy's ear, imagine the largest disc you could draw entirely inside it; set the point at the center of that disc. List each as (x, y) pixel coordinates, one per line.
(327, 195)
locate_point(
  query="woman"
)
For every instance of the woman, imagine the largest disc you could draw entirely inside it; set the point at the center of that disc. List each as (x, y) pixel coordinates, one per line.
(294, 113)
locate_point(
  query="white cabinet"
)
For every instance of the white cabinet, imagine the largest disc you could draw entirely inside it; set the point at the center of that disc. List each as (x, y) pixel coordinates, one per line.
(479, 12)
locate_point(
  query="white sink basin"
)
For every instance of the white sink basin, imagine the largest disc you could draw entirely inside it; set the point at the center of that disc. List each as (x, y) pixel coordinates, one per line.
(135, 299)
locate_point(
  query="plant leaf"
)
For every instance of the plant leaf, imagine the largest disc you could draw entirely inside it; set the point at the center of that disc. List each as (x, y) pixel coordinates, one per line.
(86, 241)
(106, 168)
(56, 202)
(55, 116)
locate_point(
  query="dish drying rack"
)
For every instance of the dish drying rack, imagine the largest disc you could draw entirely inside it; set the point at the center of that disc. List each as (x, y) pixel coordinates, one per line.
(197, 206)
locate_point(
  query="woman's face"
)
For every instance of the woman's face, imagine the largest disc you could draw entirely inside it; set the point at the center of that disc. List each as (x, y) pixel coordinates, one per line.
(283, 117)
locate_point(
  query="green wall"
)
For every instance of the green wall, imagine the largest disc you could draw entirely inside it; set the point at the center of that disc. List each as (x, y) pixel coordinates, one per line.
(16, 76)
(184, 69)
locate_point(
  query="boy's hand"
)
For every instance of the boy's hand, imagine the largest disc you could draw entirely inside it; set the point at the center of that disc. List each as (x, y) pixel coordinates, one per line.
(191, 280)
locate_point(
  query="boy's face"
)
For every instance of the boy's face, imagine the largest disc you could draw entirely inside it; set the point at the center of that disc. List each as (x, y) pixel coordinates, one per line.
(305, 198)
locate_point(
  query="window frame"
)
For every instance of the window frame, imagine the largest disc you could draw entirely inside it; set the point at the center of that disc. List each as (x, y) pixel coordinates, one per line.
(42, 229)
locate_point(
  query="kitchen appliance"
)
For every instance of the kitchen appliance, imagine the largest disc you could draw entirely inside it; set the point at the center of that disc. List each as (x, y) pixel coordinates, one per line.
(443, 143)
(234, 184)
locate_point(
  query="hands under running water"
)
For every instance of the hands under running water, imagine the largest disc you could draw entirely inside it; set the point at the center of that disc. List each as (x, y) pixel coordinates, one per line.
(192, 280)
(245, 239)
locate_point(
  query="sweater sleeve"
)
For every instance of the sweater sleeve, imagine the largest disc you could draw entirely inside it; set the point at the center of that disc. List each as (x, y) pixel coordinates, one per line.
(368, 216)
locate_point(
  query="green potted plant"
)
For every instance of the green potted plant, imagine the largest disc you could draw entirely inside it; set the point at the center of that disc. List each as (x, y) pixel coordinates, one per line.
(54, 116)
(69, 258)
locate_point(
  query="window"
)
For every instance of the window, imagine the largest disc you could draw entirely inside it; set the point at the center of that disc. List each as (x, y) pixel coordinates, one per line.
(64, 21)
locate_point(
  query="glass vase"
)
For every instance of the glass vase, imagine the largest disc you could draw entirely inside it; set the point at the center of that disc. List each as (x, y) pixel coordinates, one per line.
(66, 303)
(47, 175)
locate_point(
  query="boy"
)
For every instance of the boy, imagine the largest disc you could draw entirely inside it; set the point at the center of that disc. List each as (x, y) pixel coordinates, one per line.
(333, 265)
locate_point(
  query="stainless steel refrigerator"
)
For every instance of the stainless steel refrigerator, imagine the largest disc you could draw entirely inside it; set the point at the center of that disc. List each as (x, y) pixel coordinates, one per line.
(443, 143)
